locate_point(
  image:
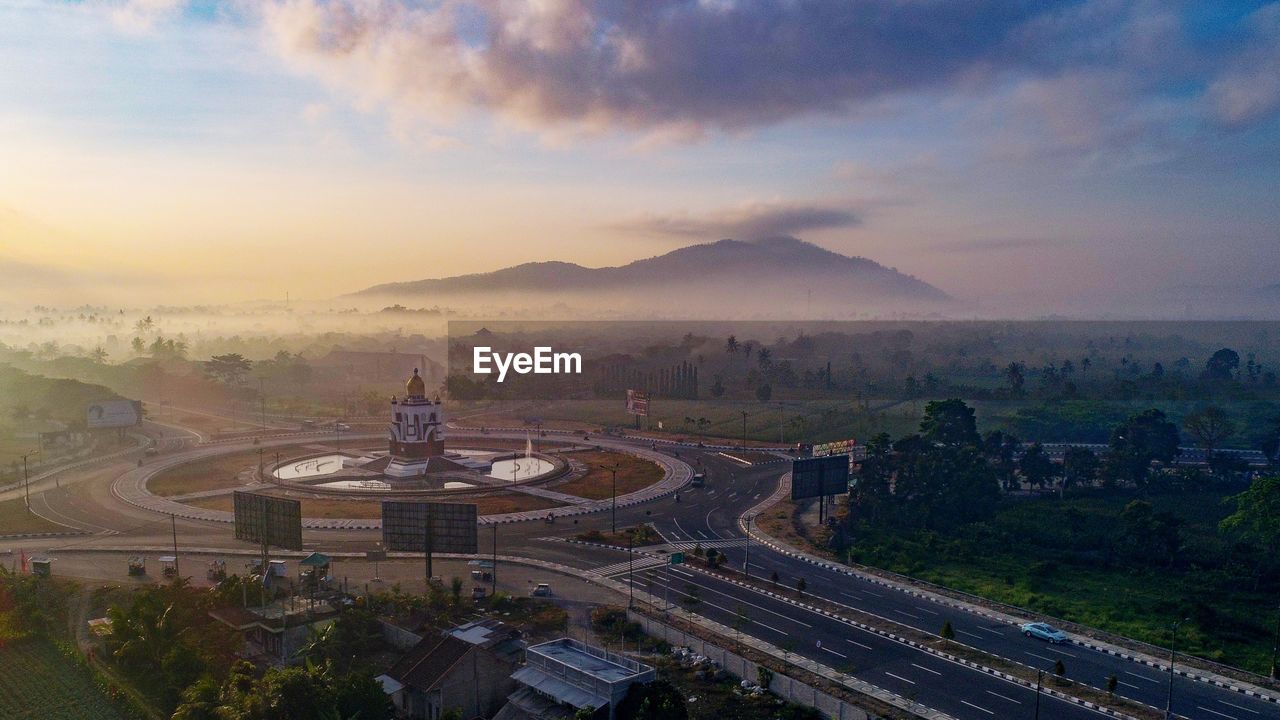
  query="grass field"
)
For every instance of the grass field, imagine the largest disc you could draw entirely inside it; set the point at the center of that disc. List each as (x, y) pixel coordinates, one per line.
(1013, 559)
(831, 418)
(14, 520)
(367, 509)
(37, 682)
(633, 474)
(215, 473)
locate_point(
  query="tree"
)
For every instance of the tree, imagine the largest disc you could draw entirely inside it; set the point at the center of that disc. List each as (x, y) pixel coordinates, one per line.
(731, 345)
(1148, 534)
(1079, 467)
(717, 386)
(764, 391)
(1036, 466)
(229, 369)
(98, 354)
(949, 422)
(948, 632)
(1257, 515)
(1015, 374)
(765, 358)
(455, 590)
(1211, 427)
(1136, 443)
(1222, 365)
(1001, 449)
(138, 346)
(801, 586)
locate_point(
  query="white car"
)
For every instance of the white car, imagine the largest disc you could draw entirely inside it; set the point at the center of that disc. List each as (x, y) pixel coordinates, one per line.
(1044, 631)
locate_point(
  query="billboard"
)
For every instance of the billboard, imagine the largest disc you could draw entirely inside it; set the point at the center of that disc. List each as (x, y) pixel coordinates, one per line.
(839, 447)
(638, 402)
(453, 526)
(113, 414)
(817, 477)
(268, 520)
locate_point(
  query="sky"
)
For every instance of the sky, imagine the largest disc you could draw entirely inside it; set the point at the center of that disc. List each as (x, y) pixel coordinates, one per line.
(1072, 156)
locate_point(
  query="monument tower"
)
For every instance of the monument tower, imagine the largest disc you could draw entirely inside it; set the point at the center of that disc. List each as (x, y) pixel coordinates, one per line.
(416, 431)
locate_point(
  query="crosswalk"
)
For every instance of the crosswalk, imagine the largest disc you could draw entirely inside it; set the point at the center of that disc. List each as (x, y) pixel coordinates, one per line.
(691, 544)
(641, 562)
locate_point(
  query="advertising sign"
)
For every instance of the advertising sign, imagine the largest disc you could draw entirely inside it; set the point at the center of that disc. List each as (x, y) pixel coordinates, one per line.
(268, 520)
(453, 526)
(838, 447)
(114, 414)
(638, 402)
(818, 477)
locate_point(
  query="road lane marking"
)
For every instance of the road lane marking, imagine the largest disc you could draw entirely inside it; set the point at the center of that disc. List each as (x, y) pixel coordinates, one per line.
(977, 707)
(886, 672)
(993, 632)
(973, 635)
(1004, 697)
(935, 672)
(904, 612)
(833, 652)
(1143, 677)
(1042, 657)
(1240, 707)
(1215, 712)
(925, 610)
(1060, 652)
(855, 642)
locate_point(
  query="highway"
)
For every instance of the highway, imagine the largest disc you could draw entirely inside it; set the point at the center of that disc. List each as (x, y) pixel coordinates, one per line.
(82, 499)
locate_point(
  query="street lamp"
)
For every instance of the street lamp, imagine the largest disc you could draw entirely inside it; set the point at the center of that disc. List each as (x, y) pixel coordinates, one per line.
(26, 479)
(1039, 686)
(613, 471)
(1173, 640)
(1275, 645)
(744, 430)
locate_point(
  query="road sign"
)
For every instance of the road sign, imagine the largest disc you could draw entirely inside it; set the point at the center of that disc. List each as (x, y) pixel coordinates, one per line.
(453, 526)
(819, 477)
(268, 520)
(638, 402)
(677, 558)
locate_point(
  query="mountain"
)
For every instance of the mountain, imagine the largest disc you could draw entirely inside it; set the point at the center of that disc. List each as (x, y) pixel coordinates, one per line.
(756, 276)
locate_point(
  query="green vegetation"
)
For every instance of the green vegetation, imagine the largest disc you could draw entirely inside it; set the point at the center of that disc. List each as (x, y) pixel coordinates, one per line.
(38, 681)
(597, 483)
(16, 520)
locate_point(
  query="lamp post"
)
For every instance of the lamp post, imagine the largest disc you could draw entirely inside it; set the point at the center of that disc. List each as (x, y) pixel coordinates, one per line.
(746, 551)
(1275, 646)
(744, 430)
(613, 471)
(26, 479)
(1173, 640)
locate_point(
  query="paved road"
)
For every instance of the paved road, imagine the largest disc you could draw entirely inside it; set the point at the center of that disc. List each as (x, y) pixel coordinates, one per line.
(83, 500)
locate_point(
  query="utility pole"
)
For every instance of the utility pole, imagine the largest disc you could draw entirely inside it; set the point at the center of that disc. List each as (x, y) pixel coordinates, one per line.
(26, 482)
(744, 430)
(1275, 646)
(173, 523)
(1173, 640)
(631, 579)
(494, 573)
(746, 551)
(1039, 684)
(262, 405)
(781, 439)
(613, 470)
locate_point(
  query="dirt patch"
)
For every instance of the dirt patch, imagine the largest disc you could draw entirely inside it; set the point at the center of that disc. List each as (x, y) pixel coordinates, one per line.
(597, 484)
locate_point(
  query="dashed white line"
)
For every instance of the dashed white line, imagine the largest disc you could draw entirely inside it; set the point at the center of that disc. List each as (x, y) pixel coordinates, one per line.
(1240, 707)
(1004, 697)
(833, 652)
(904, 612)
(935, 672)
(973, 635)
(886, 672)
(925, 610)
(855, 642)
(977, 707)
(1142, 677)
(1042, 657)
(1215, 712)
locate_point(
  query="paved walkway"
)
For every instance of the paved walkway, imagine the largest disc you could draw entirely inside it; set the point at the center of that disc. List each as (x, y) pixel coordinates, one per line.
(132, 486)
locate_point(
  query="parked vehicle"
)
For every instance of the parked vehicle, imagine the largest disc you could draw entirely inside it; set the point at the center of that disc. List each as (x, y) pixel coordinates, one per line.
(1044, 631)
(541, 590)
(137, 565)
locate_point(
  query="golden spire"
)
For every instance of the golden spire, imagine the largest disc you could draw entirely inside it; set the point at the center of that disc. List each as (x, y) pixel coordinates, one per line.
(416, 387)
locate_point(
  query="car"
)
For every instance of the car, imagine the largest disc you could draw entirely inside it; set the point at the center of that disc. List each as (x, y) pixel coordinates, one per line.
(1044, 631)
(541, 590)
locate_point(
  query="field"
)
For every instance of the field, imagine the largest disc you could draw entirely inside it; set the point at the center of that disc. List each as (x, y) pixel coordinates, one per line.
(14, 520)
(215, 473)
(815, 420)
(1020, 559)
(633, 474)
(367, 509)
(38, 683)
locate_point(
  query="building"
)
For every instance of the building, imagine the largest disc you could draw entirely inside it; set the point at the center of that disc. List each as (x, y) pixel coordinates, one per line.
(563, 676)
(471, 673)
(416, 441)
(274, 633)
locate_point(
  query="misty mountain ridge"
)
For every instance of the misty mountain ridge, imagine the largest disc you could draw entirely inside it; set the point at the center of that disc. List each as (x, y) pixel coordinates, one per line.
(755, 275)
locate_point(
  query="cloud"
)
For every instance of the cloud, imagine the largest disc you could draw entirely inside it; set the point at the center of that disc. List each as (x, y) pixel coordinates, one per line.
(751, 222)
(1249, 91)
(665, 65)
(141, 16)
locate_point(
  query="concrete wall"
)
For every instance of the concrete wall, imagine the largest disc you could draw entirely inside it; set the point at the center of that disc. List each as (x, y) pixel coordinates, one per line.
(782, 685)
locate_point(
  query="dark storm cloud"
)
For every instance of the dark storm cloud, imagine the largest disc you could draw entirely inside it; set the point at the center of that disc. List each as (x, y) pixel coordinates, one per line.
(752, 222)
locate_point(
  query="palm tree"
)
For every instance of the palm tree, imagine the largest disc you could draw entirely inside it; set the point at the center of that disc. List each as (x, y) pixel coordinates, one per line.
(731, 345)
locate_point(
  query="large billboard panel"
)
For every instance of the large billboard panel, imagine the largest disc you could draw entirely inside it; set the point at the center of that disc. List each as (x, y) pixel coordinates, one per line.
(638, 402)
(453, 526)
(838, 447)
(816, 477)
(272, 520)
(113, 414)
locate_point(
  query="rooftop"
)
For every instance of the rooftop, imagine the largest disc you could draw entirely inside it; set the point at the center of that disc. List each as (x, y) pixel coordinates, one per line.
(600, 664)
